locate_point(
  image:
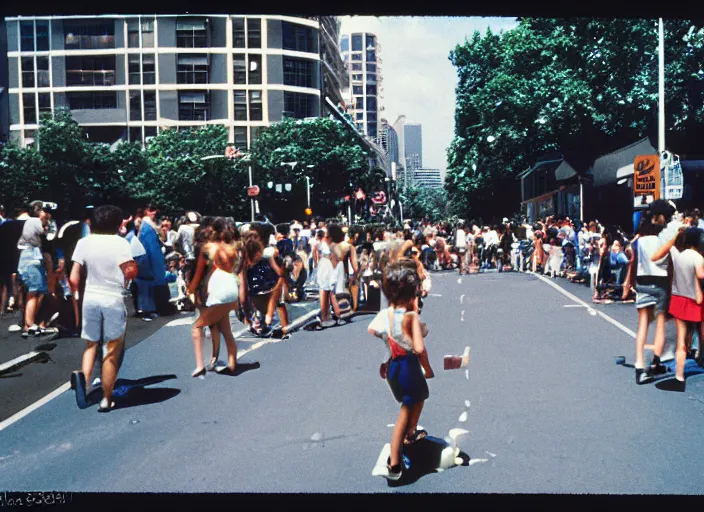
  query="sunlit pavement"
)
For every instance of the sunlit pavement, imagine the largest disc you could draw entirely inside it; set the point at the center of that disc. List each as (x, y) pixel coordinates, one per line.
(549, 410)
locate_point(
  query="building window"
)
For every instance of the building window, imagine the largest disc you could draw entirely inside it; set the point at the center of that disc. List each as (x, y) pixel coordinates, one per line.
(91, 100)
(371, 55)
(371, 68)
(238, 33)
(95, 70)
(299, 38)
(359, 116)
(240, 105)
(85, 35)
(371, 42)
(357, 43)
(136, 107)
(192, 106)
(359, 102)
(240, 69)
(27, 71)
(150, 105)
(148, 68)
(357, 67)
(371, 90)
(149, 133)
(44, 104)
(357, 78)
(42, 36)
(254, 33)
(345, 44)
(371, 129)
(191, 34)
(255, 105)
(43, 72)
(298, 105)
(192, 69)
(147, 34)
(241, 137)
(371, 117)
(27, 36)
(136, 135)
(133, 34)
(298, 72)
(357, 56)
(254, 132)
(255, 69)
(135, 75)
(30, 115)
(357, 89)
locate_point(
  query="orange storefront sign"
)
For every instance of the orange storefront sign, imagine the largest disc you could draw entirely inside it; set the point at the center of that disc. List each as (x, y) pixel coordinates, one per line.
(646, 180)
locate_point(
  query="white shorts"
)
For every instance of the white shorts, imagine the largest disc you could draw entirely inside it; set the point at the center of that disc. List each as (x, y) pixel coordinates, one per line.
(104, 318)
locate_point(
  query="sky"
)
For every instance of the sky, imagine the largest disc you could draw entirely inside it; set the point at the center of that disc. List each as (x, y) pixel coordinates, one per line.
(419, 79)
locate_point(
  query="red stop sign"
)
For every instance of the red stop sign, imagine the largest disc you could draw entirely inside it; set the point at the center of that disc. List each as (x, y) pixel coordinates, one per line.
(253, 191)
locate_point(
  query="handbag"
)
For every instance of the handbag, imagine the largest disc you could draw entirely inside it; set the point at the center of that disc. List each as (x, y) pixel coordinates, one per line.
(396, 349)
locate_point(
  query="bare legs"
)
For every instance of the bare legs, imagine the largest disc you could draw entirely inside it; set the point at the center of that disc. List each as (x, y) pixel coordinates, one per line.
(214, 315)
(34, 302)
(645, 316)
(400, 429)
(111, 365)
(681, 350)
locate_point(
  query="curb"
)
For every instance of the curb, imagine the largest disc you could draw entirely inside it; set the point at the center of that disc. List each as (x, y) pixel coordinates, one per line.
(21, 361)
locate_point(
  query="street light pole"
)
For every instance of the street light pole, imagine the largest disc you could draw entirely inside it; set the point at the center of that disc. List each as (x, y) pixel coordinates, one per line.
(250, 184)
(661, 103)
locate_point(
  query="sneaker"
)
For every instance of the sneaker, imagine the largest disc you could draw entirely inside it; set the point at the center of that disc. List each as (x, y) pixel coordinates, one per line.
(395, 472)
(678, 385)
(146, 319)
(643, 375)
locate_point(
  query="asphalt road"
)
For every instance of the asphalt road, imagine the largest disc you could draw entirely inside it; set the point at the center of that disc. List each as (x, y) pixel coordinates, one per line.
(550, 411)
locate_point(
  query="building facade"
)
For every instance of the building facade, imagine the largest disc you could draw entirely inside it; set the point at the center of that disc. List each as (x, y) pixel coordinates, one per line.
(427, 178)
(361, 53)
(413, 146)
(128, 77)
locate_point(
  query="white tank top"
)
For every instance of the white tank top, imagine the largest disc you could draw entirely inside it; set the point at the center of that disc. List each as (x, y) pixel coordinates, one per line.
(647, 246)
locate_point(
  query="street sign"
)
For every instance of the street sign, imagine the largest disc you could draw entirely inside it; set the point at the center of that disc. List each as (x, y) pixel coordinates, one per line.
(672, 179)
(253, 191)
(646, 180)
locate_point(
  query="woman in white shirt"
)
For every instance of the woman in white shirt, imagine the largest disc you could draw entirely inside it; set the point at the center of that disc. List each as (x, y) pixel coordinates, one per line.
(461, 245)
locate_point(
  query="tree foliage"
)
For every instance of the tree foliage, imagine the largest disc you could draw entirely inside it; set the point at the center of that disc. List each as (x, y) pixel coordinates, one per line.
(583, 87)
(65, 168)
(424, 203)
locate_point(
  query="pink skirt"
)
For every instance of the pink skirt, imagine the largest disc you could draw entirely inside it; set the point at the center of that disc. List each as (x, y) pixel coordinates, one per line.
(686, 309)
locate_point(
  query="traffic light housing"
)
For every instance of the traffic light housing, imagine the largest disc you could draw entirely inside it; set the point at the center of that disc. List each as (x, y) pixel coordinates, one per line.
(308, 211)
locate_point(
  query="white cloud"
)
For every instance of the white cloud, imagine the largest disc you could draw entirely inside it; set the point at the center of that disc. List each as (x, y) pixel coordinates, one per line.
(418, 78)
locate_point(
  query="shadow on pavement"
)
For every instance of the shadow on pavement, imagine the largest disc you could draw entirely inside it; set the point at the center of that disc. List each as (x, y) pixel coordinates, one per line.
(132, 393)
(46, 347)
(241, 368)
(10, 376)
(426, 458)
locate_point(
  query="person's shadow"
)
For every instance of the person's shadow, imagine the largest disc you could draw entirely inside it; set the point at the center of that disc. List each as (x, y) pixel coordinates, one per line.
(426, 457)
(133, 393)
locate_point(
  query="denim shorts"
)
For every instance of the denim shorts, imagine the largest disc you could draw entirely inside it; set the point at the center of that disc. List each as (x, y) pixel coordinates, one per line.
(32, 272)
(648, 295)
(406, 380)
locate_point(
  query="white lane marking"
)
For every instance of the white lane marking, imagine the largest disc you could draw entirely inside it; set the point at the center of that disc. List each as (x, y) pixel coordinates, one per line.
(455, 433)
(490, 454)
(66, 386)
(462, 299)
(466, 374)
(435, 294)
(467, 404)
(459, 280)
(462, 316)
(36, 405)
(30, 356)
(572, 306)
(591, 310)
(463, 417)
(472, 462)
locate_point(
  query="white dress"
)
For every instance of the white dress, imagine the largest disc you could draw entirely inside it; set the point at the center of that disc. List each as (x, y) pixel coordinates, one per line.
(222, 288)
(326, 273)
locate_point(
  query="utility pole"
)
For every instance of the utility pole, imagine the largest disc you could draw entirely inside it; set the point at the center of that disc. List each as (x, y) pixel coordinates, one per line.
(661, 104)
(250, 184)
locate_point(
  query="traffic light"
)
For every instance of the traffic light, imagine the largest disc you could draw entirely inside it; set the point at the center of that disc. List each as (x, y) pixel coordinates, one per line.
(308, 211)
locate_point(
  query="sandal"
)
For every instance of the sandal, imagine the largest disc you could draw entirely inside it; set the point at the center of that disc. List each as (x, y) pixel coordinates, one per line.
(415, 436)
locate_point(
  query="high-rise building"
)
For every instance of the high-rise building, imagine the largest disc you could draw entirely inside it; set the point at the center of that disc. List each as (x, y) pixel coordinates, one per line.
(427, 178)
(4, 81)
(127, 77)
(413, 145)
(361, 53)
(390, 141)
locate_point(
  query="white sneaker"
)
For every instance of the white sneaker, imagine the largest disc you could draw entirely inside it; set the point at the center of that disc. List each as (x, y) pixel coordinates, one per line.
(146, 319)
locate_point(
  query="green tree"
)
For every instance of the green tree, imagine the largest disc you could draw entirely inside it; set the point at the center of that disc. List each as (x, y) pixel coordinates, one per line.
(584, 87)
(326, 153)
(421, 203)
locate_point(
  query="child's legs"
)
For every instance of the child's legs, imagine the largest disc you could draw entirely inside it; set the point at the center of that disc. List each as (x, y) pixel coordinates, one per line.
(399, 432)
(414, 417)
(681, 350)
(642, 335)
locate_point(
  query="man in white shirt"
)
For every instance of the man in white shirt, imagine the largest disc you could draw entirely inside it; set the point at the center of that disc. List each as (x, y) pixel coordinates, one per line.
(461, 245)
(108, 261)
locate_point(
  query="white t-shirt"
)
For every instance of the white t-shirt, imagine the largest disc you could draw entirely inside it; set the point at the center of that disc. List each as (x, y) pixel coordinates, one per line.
(381, 322)
(684, 282)
(461, 240)
(305, 233)
(491, 238)
(32, 232)
(184, 236)
(102, 256)
(647, 246)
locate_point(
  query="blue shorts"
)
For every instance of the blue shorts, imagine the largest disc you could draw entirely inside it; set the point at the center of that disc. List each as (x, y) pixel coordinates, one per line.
(406, 380)
(32, 272)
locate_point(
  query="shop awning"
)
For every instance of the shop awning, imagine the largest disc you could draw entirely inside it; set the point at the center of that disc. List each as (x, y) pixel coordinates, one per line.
(538, 165)
(565, 171)
(609, 169)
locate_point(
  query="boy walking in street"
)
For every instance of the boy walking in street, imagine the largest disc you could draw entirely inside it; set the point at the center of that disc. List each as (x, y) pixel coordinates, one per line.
(107, 258)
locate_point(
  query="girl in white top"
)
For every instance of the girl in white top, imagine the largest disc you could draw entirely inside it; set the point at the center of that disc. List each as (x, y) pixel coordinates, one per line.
(686, 300)
(461, 245)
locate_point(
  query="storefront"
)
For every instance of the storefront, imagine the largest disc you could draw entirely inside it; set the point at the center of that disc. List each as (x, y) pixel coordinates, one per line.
(552, 187)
